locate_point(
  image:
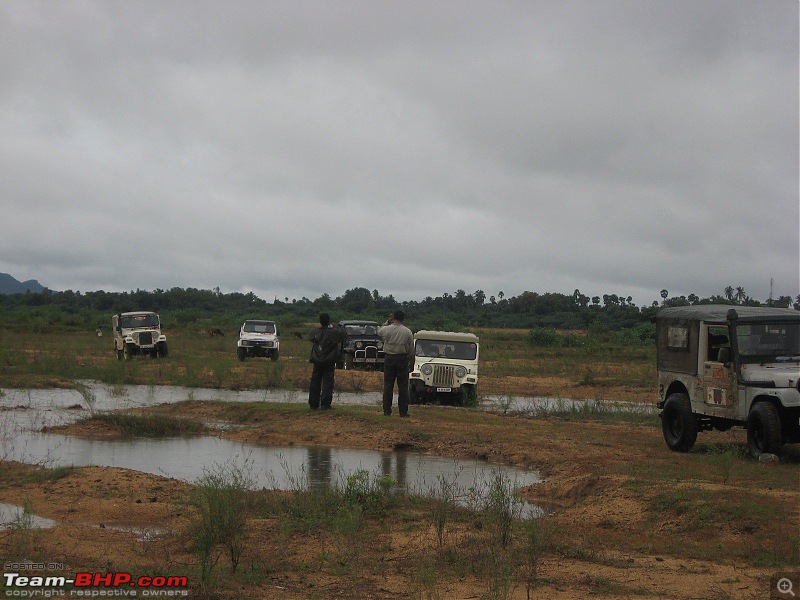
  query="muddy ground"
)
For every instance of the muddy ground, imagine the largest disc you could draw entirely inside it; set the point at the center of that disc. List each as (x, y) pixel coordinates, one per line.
(627, 518)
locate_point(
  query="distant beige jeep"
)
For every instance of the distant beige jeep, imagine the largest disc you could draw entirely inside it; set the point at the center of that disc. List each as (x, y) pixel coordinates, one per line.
(445, 368)
(721, 366)
(138, 333)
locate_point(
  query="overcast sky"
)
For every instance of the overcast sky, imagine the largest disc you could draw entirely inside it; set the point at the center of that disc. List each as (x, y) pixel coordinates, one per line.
(296, 148)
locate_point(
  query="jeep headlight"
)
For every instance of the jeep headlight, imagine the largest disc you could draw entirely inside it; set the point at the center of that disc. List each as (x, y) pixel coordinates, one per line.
(380, 345)
(460, 372)
(426, 369)
(359, 345)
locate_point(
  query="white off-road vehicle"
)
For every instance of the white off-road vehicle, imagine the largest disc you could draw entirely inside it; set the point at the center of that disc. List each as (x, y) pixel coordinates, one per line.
(720, 366)
(258, 338)
(445, 368)
(138, 333)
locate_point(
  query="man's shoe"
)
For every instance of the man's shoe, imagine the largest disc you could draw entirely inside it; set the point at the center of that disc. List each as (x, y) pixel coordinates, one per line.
(326, 408)
(405, 415)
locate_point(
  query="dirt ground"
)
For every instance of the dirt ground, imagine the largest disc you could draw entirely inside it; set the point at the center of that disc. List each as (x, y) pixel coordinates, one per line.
(603, 483)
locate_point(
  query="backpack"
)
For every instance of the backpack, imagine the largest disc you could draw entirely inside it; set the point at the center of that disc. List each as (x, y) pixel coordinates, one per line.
(323, 352)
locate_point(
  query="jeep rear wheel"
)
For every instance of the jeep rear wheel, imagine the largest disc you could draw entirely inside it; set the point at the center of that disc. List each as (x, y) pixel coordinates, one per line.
(764, 433)
(678, 423)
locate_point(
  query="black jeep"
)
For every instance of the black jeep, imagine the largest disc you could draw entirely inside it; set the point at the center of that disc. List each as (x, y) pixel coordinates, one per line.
(361, 346)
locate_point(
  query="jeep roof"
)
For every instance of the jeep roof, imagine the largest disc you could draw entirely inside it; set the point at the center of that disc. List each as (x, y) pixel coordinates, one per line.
(449, 336)
(351, 322)
(718, 313)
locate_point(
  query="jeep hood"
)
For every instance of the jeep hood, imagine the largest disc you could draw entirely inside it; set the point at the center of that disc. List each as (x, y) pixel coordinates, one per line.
(248, 335)
(780, 374)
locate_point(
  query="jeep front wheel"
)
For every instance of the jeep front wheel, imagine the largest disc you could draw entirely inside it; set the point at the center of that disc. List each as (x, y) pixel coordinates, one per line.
(241, 353)
(678, 423)
(764, 433)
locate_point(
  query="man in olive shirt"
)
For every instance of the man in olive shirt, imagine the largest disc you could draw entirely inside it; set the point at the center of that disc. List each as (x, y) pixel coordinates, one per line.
(398, 347)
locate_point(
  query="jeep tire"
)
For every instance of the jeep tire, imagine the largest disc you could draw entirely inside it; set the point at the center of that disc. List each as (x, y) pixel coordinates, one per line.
(678, 423)
(764, 434)
(413, 396)
(241, 353)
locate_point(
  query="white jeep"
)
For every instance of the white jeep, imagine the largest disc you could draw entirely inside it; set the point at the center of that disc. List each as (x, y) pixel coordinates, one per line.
(445, 367)
(138, 333)
(720, 366)
(258, 338)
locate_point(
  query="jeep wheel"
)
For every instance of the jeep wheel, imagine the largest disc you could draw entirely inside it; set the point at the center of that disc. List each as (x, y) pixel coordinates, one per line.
(413, 397)
(678, 423)
(469, 395)
(274, 355)
(128, 351)
(764, 433)
(241, 353)
(120, 354)
(161, 350)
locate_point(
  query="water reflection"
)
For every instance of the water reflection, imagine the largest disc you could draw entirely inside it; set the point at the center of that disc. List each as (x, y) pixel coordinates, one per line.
(283, 468)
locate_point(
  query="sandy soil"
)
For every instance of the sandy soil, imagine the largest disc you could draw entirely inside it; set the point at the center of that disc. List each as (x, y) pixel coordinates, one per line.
(596, 487)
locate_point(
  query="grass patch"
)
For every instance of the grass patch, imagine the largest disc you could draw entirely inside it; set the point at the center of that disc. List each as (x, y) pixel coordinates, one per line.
(148, 424)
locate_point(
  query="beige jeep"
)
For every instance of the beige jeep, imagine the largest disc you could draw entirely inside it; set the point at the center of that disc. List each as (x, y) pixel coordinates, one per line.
(445, 368)
(138, 333)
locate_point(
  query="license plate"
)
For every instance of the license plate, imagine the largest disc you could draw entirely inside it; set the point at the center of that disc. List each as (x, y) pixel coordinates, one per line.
(147, 346)
(444, 389)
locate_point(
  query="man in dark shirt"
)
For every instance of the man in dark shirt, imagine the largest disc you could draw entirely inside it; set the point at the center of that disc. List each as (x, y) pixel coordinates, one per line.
(327, 342)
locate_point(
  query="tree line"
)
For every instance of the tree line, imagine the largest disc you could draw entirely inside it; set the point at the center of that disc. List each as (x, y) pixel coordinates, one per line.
(186, 307)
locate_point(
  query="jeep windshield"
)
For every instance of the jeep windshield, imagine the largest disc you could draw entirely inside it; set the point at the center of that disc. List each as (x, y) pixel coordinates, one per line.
(361, 329)
(134, 321)
(259, 327)
(768, 342)
(442, 349)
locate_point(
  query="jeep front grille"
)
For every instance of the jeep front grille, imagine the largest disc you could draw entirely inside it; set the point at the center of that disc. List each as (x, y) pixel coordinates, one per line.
(145, 338)
(444, 376)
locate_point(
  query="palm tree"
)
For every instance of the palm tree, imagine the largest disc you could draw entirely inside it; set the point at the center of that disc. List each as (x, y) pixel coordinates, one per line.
(740, 295)
(729, 293)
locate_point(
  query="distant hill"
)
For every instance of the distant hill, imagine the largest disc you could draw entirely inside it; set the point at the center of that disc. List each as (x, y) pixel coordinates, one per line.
(9, 285)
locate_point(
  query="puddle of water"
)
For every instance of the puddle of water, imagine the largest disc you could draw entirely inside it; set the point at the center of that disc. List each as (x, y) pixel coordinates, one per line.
(15, 517)
(284, 468)
(65, 405)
